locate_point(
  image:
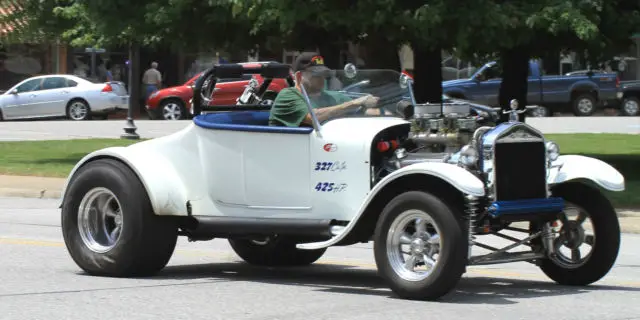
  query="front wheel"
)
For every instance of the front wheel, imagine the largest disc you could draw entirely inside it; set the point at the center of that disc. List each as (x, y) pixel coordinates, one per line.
(108, 224)
(416, 231)
(583, 255)
(630, 107)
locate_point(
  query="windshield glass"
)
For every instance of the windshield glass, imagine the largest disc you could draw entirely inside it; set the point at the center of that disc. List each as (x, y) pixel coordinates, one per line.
(342, 88)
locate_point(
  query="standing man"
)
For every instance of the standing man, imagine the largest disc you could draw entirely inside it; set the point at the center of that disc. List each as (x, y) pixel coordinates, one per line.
(152, 80)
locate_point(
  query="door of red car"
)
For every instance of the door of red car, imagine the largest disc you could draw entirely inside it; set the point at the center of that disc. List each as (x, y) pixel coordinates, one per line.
(229, 89)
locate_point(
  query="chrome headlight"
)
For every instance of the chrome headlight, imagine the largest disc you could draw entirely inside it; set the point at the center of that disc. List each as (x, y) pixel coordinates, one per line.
(468, 156)
(553, 150)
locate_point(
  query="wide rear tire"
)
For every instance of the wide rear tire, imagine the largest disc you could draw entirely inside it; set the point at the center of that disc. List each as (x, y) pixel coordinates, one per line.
(145, 242)
(403, 222)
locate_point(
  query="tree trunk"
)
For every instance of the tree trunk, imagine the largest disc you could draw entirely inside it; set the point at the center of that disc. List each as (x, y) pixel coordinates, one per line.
(381, 54)
(515, 74)
(427, 74)
(330, 51)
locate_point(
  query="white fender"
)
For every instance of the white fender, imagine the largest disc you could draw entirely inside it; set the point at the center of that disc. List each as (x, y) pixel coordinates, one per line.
(164, 186)
(571, 167)
(458, 177)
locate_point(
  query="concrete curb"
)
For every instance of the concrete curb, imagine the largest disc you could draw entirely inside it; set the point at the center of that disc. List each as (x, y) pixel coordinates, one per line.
(30, 193)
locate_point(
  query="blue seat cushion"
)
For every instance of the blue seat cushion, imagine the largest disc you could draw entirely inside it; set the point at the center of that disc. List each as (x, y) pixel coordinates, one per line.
(252, 121)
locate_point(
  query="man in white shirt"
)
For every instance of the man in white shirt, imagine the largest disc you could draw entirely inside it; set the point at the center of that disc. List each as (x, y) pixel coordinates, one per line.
(152, 79)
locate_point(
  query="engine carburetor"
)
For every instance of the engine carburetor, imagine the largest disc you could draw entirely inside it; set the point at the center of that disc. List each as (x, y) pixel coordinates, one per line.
(442, 128)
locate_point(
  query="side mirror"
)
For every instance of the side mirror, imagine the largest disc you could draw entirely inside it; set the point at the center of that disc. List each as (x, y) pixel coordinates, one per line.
(350, 70)
(14, 91)
(404, 81)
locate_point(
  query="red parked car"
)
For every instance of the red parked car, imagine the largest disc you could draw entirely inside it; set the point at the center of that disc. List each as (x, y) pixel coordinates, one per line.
(173, 103)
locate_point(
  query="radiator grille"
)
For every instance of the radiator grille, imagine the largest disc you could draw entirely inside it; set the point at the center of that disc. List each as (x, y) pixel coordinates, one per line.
(520, 170)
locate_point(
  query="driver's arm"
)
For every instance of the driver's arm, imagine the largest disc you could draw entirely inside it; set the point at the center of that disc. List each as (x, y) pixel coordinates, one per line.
(289, 109)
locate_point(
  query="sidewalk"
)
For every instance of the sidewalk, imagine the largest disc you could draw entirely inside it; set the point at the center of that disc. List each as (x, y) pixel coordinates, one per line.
(50, 188)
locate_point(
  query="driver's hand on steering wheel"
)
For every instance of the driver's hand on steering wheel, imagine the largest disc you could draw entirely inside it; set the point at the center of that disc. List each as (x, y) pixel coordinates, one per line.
(368, 101)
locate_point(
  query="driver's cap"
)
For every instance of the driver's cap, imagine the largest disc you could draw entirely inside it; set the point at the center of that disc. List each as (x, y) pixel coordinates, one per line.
(309, 61)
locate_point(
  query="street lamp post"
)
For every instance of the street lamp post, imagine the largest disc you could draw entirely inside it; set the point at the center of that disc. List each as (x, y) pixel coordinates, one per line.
(130, 127)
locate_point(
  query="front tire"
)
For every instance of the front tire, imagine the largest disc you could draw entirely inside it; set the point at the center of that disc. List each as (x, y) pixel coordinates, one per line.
(630, 107)
(172, 109)
(434, 237)
(274, 251)
(576, 269)
(108, 224)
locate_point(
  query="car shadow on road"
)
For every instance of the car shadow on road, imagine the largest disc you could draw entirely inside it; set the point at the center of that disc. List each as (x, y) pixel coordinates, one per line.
(350, 280)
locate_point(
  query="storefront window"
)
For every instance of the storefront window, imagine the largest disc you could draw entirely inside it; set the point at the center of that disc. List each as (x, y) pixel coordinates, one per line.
(21, 61)
(79, 63)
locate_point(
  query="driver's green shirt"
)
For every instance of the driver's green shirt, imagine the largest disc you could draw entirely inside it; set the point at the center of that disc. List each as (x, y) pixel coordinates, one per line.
(289, 108)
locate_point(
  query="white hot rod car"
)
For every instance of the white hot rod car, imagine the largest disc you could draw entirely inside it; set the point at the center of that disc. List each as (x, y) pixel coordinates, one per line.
(424, 182)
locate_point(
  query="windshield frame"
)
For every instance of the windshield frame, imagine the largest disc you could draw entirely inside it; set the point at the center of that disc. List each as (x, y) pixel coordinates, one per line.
(394, 81)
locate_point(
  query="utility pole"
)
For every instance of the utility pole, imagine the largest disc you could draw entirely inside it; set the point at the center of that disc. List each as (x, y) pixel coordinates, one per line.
(134, 91)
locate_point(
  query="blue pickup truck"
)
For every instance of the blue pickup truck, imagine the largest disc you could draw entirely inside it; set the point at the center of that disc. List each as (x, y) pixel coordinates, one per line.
(580, 94)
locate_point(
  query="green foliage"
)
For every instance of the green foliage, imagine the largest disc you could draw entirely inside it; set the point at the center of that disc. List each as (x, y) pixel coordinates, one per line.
(182, 23)
(473, 29)
(33, 21)
(601, 27)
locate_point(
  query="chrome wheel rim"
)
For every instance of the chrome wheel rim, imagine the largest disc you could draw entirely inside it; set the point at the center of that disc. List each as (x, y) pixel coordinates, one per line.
(631, 107)
(585, 105)
(78, 111)
(100, 220)
(539, 112)
(172, 111)
(572, 236)
(416, 235)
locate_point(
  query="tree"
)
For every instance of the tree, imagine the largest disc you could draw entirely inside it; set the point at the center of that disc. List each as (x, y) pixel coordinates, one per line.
(518, 30)
(381, 26)
(178, 23)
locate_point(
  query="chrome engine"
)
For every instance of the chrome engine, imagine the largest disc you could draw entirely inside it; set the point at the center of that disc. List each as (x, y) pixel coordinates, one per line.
(440, 133)
(445, 127)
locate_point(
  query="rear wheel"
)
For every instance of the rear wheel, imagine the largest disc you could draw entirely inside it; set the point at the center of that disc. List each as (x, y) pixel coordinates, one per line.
(583, 254)
(109, 226)
(274, 251)
(417, 230)
(78, 109)
(584, 105)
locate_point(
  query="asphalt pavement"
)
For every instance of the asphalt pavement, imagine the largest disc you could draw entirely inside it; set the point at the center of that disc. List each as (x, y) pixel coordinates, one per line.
(206, 280)
(58, 130)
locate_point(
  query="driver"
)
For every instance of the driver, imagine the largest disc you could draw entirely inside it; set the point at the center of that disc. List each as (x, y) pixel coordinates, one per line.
(290, 109)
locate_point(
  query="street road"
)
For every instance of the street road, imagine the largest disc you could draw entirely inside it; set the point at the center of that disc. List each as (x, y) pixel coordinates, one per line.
(58, 130)
(206, 280)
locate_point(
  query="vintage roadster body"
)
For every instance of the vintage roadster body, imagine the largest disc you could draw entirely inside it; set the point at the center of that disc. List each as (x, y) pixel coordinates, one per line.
(424, 182)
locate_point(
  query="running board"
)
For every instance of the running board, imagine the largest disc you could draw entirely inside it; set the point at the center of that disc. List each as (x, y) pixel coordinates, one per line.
(223, 227)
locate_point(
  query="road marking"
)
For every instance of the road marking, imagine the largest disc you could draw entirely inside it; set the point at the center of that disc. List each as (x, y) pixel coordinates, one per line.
(473, 270)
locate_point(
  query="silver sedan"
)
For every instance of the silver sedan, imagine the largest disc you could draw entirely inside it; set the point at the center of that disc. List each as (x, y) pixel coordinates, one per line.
(62, 95)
